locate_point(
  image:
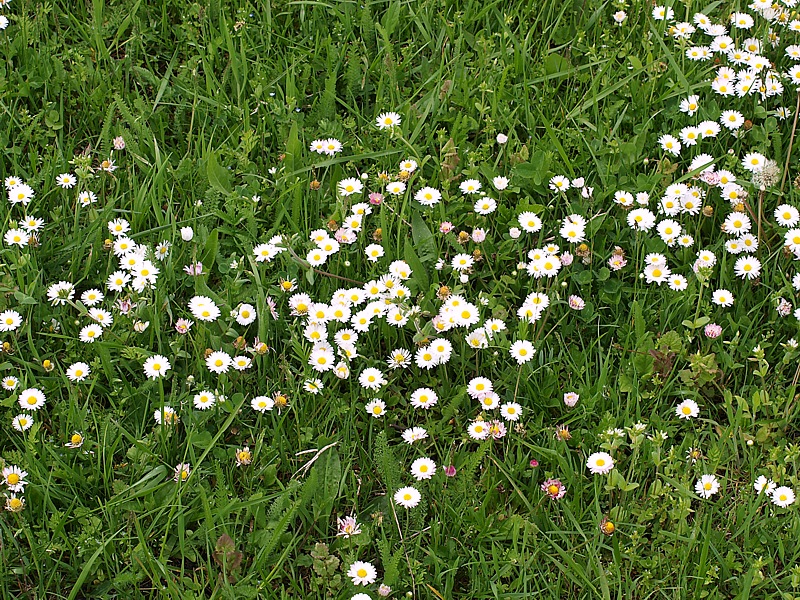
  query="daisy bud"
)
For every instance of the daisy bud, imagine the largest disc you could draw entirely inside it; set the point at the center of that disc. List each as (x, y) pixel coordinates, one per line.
(187, 233)
(502, 138)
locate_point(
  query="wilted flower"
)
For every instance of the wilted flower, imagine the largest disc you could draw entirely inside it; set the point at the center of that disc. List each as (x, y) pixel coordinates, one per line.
(348, 526)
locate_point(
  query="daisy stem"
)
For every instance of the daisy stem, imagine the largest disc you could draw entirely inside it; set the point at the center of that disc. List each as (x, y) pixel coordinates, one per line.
(386, 205)
(405, 553)
(307, 265)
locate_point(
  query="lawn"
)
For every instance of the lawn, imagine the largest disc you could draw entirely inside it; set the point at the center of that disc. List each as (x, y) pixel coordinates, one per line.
(409, 299)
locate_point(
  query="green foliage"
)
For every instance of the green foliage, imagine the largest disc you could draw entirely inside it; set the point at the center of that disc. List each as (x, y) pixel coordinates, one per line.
(218, 104)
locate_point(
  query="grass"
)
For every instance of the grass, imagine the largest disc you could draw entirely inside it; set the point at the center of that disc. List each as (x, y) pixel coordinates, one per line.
(217, 103)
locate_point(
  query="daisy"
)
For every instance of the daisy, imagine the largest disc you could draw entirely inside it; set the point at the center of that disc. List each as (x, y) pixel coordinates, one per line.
(241, 363)
(461, 262)
(677, 283)
(706, 486)
(204, 308)
(22, 422)
(31, 224)
(262, 404)
(600, 463)
(731, 119)
(387, 120)
(722, 298)
(219, 362)
(479, 387)
(16, 237)
(182, 472)
(511, 411)
(670, 144)
(762, 484)
(103, 317)
(493, 326)
(500, 183)
(641, 219)
(31, 399)
(424, 398)
(783, 496)
(414, 434)
(753, 161)
(78, 371)
(374, 252)
(409, 165)
(156, 366)
(396, 188)
(118, 227)
(470, 186)
(425, 358)
(559, 183)
(10, 383)
(407, 497)
(87, 197)
(787, 215)
(522, 351)
(13, 503)
(478, 430)
(376, 408)
(428, 196)
(117, 281)
(246, 314)
(350, 186)
(485, 206)
(12, 181)
(554, 488)
(371, 379)
(747, 267)
(661, 13)
(266, 252)
(690, 105)
(10, 320)
(75, 440)
(529, 222)
(92, 297)
(423, 468)
(167, 416)
(21, 194)
(322, 359)
(14, 478)
(687, 409)
(490, 401)
(66, 180)
(244, 457)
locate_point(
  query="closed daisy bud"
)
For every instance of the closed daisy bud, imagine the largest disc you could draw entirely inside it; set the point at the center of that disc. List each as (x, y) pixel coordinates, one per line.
(607, 526)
